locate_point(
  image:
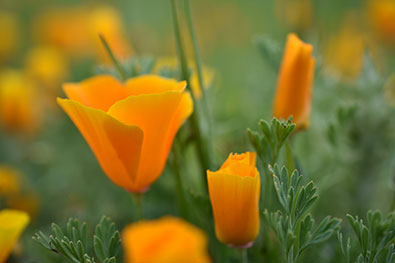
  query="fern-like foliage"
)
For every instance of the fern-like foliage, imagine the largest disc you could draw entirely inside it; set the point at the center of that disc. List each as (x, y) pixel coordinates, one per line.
(72, 242)
(374, 238)
(272, 137)
(294, 226)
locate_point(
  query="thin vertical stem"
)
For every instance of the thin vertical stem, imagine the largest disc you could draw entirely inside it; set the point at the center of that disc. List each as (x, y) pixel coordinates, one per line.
(203, 153)
(114, 60)
(243, 255)
(138, 203)
(290, 158)
(198, 62)
(182, 205)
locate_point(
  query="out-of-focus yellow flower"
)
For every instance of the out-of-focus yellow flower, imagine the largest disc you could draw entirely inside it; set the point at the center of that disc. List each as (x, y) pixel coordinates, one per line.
(76, 31)
(19, 107)
(9, 181)
(343, 57)
(295, 82)
(9, 34)
(130, 127)
(106, 21)
(295, 14)
(382, 17)
(234, 192)
(164, 240)
(163, 65)
(47, 65)
(389, 90)
(12, 224)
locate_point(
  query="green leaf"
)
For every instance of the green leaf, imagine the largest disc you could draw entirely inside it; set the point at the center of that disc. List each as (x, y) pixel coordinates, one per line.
(270, 49)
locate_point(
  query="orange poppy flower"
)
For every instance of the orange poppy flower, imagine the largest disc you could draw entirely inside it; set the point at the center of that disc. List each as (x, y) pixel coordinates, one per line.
(12, 223)
(168, 239)
(234, 192)
(294, 86)
(130, 127)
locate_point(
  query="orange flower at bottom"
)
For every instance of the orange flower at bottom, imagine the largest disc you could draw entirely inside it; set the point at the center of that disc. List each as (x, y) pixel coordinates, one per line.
(12, 223)
(234, 192)
(166, 240)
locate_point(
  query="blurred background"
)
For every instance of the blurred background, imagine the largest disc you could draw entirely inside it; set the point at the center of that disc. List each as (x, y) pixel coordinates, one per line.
(48, 170)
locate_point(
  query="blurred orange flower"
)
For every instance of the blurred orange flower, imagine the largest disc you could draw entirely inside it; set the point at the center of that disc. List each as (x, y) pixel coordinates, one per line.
(130, 127)
(19, 107)
(381, 14)
(164, 240)
(12, 224)
(234, 192)
(295, 81)
(75, 30)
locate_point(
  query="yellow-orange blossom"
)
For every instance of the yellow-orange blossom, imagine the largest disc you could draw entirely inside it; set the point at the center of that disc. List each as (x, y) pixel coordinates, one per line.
(130, 127)
(294, 86)
(234, 193)
(164, 240)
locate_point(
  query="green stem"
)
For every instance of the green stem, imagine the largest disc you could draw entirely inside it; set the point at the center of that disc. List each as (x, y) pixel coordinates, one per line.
(138, 203)
(289, 157)
(182, 205)
(243, 255)
(114, 60)
(198, 61)
(203, 153)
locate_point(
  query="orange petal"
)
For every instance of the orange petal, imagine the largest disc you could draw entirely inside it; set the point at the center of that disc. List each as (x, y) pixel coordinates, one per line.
(99, 92)
(12, 223)
(234, 200)
(116, 146)
(154, 114)
(149, 84)
(164, 240)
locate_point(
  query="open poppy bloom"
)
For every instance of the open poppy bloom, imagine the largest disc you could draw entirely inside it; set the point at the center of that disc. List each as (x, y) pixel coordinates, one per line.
(12, 223)
(130, 127)
(168, 239)
(234, 193)
(294, 86)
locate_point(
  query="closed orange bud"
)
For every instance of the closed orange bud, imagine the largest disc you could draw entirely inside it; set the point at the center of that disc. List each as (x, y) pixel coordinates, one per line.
(294, 85)
(12, 223)
(129, 127)
(167, 239)
(234, 192)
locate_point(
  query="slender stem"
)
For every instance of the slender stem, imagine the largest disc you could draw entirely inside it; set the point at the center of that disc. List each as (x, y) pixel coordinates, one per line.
(182, 205)
(198, 62)
(138, 203)
(243, 255)
(290, 157)
(203, 153)
(114, 60)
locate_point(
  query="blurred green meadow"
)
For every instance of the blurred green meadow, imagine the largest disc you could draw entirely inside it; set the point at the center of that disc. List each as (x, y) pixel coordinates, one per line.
(348, 150)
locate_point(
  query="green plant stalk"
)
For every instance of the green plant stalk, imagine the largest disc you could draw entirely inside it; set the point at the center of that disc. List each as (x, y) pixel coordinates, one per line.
(289, 157)
(243, 255)
(138, 203)
(198, 62)
(114, 60)
(204, 155)
(182, 205)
